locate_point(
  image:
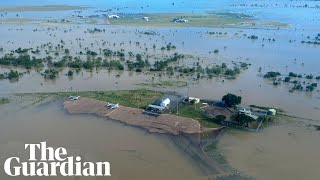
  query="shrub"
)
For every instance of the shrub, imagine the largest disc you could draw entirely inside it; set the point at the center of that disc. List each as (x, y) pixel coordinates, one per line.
(271, 74)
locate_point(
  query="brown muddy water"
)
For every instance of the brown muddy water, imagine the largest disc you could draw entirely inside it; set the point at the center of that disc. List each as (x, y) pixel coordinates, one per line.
(285, 54)
(132, 153)
(288, 151)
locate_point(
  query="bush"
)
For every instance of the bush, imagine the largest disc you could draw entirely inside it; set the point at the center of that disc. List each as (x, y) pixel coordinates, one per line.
(220, 118)
(242, 119)
(271, 74)
(13, 75)
(70, 73)
(50, 73)
(310, 88)
(291, 74)
(310, 76)
(287, 79)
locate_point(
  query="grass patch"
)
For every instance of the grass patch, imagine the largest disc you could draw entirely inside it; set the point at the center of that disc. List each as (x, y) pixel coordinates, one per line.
(130, 98)
(4, 101)
(165, 84)
(194, 20)
(165, 20)
(193, 111)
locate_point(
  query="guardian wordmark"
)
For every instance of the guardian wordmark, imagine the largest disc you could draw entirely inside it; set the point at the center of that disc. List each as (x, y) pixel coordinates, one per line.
(53, 162)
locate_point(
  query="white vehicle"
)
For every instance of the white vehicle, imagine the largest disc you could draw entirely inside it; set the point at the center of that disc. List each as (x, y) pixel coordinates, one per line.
(165, 103)
(146, 18)
(114, 16)
(74, 97)
(245, 111)
(113, 106)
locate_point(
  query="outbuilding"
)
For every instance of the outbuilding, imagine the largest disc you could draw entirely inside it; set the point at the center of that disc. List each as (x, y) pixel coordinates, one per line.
(272, 112)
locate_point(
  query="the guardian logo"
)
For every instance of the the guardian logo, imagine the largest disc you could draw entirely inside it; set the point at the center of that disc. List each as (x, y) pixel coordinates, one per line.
(53, 162)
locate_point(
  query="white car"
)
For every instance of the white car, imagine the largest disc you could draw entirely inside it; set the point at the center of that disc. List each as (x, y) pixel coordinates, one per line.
(112, 106)
(74, 97)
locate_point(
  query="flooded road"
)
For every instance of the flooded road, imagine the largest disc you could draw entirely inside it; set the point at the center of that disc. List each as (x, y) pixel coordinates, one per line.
(132, 153)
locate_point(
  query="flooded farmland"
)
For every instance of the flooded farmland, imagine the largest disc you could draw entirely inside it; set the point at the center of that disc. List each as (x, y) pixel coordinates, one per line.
(254, 37)
(132, 152)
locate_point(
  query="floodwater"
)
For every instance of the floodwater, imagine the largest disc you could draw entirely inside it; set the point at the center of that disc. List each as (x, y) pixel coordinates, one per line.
(289, 151)
(292, 12)
(280, 55)
(133, 153)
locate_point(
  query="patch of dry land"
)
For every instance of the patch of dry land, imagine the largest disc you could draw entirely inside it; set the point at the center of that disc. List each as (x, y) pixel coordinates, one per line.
(194, 20)
(164, 123)
(40, 8)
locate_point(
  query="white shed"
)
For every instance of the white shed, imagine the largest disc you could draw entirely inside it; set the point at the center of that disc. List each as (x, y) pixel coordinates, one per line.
(272, 112)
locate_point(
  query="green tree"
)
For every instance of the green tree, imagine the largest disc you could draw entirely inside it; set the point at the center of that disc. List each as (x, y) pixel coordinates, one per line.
(231, 100)
(70, 73)
(242, 119)
(13, 75)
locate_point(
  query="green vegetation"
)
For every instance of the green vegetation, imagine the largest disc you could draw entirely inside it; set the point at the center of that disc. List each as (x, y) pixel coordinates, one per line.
(70, 73)
(12, 75)
(231, 100)
(253, 37)
(224, 70)
(266, 119)
(165, 84)
(310, 76)
(193, 111)
(271, 74)
(266, 108)
(242, 119)
(112, 60)
(4, 100)
(291, 74)
(131, 98)
(311, 87)
(23, 60)
(287, 79)
(211, 19)
(50, 73)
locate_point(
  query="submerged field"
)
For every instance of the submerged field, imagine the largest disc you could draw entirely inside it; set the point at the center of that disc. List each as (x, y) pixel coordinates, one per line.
(266, 52)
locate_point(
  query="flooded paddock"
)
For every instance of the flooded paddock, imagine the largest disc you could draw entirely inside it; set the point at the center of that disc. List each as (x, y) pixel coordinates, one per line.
(133, 153)
(280, 55)
(287, 150)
